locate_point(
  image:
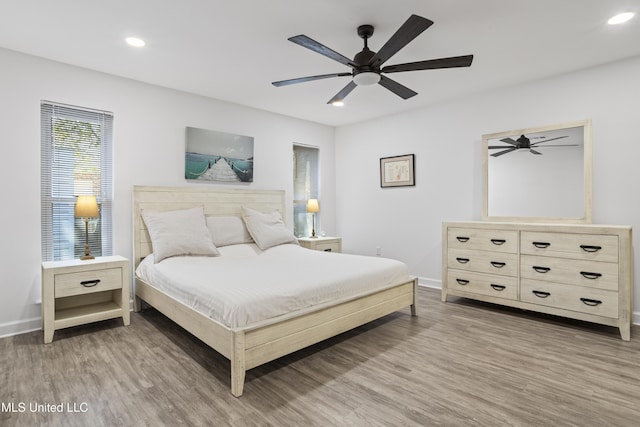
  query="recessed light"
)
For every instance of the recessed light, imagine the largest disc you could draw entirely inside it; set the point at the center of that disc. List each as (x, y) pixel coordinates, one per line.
(338, 104)
(620, 18)
(134, 41)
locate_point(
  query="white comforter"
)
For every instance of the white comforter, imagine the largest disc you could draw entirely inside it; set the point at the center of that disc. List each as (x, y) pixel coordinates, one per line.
(245, 285)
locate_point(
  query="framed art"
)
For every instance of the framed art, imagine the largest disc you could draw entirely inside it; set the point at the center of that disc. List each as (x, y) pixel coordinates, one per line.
(397, 171)
(218, 156)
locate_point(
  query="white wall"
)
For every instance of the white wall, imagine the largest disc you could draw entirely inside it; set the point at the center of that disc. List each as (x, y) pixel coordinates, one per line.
(149, 129)
(446, 139)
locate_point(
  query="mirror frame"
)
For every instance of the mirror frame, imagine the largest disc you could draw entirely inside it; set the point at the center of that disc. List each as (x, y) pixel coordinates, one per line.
(587, 186)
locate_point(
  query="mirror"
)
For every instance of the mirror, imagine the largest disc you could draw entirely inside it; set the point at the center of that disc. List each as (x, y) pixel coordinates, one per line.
(538, 174)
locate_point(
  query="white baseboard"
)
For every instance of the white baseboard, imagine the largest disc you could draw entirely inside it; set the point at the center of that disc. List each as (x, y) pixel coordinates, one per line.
(429, 283)
(20, 327)
(29, 325)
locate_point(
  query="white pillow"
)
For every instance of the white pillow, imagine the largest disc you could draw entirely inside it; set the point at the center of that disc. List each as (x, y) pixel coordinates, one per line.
(180, 232)
(267, 229)
(228, 230)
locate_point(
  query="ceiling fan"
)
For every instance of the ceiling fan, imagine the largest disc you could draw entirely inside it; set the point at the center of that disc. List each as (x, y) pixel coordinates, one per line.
(525, 143)
(366, 64)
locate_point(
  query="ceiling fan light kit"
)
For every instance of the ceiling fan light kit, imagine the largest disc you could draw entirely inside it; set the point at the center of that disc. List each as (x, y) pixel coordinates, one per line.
(367, 65)
(366, 78)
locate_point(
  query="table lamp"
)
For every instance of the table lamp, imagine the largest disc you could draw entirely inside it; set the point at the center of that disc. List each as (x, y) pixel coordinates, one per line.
(86, 207)
(313, 207)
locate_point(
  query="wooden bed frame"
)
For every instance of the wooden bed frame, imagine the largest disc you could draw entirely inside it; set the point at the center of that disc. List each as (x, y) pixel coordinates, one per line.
(251, 346)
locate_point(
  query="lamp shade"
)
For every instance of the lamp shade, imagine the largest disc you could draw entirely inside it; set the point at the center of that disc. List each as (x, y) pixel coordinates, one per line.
(86, 207)
(313, 206)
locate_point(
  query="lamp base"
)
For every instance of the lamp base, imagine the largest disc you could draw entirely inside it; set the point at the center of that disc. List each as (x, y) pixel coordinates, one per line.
(86, 257)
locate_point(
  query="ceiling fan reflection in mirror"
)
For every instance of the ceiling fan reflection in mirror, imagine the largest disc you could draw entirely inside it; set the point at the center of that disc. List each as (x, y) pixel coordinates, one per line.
(525, 143)
(366, 65)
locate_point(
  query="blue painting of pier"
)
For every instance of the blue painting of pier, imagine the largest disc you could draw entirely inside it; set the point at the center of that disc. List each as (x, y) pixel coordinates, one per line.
(218, 156)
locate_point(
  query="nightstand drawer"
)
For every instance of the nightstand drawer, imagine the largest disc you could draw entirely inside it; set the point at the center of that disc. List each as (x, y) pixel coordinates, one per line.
(84, 282)
(328, 247)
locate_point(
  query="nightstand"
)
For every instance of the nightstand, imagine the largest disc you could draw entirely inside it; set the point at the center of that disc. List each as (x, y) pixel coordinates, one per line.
(77, 292)
(327, 244)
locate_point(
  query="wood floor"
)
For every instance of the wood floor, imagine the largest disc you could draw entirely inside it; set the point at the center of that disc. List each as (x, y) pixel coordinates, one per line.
(461, 363)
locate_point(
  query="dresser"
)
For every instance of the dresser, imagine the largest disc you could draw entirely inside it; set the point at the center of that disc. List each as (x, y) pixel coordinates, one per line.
(576, 271)
(77, 292)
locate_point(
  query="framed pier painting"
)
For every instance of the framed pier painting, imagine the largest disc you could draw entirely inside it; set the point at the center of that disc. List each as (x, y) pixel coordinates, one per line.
(218, 156)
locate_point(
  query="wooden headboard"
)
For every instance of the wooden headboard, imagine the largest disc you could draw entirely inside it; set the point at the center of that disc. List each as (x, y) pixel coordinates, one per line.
(215, 200)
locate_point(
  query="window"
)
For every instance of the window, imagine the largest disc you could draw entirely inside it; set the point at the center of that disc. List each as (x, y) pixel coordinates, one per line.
(305, 187)
(76, 153)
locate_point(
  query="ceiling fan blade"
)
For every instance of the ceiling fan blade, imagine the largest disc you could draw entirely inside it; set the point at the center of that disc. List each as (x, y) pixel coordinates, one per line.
(509, 141)
(395, 87)
(343, 93)
(431, 64)
(534, 151)
(308, 79)
(313, 45)
(559, 145)
(508, 150)
(411, 29)
(495, 147)
(547, 140)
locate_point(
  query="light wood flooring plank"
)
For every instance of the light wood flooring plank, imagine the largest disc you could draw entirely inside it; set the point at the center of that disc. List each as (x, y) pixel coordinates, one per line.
(461, 363)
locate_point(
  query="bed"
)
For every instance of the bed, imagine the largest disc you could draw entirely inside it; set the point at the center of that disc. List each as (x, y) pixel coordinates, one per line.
(245, 338)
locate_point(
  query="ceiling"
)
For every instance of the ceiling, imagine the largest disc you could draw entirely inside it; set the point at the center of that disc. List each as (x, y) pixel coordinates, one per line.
(233, 50)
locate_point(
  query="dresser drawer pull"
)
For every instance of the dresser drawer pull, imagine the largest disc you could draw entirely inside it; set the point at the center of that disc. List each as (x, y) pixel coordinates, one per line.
(497, 264)
(541, 269)
(590, 248)
(462, 260)
(328, 250)
(541, 245)
(589, 275)
(541, 294)
(462, 239)
(498, 242)
(90, 283)
(462, 282)
(498, 287)
(590, 302)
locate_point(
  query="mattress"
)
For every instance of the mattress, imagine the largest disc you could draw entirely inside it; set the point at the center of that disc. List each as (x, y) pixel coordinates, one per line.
(245, 285)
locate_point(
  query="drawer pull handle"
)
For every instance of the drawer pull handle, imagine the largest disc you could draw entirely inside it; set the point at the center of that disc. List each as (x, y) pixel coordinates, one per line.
(541, 269)
(590, 302)
(462, 239)
(497, 264)
(498, 287)
(498, 242)
(590, 275)
(462, 282)
(328, 250)
(590, 248)
(541, 245)
(90, 283)
(541, 294)
(462, 260)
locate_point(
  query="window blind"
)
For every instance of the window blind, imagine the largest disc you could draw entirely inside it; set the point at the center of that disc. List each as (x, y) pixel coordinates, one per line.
(76, 159)
(306, 173)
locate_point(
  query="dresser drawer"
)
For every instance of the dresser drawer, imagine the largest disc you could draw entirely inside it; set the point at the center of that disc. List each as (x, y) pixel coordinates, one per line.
(593, 274)
(484, 261)
(84, 282)
(594, 247)
(483, 284)
(575, 298)
(483, 240)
